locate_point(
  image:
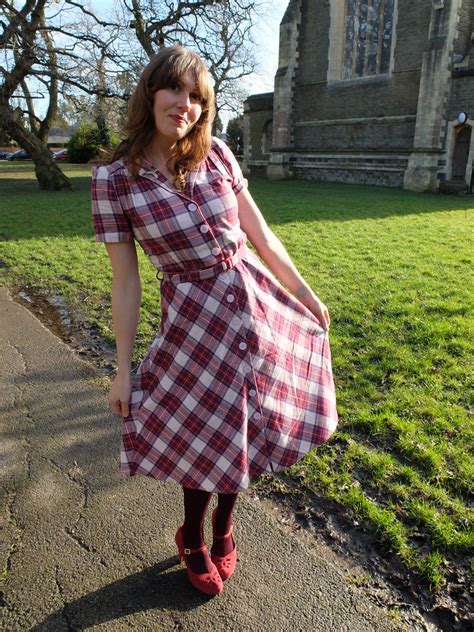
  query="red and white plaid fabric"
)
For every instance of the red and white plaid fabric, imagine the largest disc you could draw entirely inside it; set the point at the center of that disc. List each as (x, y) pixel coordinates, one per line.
(238, 380)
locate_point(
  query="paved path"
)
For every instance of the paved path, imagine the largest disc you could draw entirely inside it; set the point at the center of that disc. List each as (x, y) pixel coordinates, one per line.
(85, 547)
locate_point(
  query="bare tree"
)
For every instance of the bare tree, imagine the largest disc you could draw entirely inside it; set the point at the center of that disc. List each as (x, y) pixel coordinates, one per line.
(99, 59)
(20, 37)
(32, 58)
(219, 30)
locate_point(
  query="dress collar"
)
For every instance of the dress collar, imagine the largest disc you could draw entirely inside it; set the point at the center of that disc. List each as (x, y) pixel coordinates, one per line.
(148, 170)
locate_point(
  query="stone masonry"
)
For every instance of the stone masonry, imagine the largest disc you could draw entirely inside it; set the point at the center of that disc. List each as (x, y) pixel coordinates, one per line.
(392, 121)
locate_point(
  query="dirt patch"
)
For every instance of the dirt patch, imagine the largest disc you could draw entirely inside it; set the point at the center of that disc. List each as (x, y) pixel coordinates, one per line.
(357, 551)
(82, 336)
(365, 560)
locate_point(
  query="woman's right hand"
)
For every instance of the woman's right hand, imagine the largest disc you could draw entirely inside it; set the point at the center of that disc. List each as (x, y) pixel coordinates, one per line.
(119, 394)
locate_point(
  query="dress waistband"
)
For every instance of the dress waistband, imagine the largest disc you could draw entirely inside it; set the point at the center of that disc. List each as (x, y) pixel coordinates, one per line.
(203, 273)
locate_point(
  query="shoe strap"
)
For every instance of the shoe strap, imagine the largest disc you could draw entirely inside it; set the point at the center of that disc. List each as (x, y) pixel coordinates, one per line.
(191, 551)
(221, 537)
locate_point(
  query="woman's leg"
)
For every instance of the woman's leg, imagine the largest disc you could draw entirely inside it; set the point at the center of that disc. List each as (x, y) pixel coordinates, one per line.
(195, 506)
(223, 523)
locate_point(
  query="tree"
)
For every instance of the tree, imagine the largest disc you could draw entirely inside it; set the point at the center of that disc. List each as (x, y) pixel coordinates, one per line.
(220, 31)
(235, 134)
(35, 63)
(99, 60)
(26, 38)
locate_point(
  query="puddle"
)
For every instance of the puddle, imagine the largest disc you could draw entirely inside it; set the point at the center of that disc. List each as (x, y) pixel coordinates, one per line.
(82, 336)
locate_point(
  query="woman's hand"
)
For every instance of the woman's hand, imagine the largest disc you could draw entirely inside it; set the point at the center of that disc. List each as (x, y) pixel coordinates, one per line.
(119, 394)
(319, 309)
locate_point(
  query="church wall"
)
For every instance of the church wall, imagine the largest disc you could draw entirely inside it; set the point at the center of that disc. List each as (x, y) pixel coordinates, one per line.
(394, 125)
(358, 130)
(462, 96)
(378, 96)
(465, 25)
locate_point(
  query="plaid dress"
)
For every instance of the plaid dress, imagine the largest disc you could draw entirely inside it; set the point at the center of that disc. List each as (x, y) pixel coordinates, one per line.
(238, 380)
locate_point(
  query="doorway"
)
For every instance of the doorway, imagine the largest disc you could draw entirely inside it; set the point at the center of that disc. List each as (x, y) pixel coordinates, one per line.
(461, 153)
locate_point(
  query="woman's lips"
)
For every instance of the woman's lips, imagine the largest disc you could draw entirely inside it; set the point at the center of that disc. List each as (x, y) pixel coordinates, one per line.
(178, 118)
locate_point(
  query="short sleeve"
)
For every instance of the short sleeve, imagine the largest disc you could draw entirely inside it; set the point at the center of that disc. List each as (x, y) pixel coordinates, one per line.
(109, 221)
(231, 165)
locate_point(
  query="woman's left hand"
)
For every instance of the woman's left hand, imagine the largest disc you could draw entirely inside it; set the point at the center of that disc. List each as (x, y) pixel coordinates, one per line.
(319, 309)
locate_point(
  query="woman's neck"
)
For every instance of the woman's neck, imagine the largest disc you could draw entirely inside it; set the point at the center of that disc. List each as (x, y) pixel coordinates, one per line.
(160, 150)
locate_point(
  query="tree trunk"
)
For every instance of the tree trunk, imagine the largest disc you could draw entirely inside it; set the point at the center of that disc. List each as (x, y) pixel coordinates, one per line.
(49, 175)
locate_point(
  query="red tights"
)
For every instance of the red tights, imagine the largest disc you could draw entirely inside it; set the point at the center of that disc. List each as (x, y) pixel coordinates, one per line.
(196, 502)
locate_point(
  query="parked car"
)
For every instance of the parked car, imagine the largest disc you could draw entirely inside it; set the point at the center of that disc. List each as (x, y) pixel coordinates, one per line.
(61, 154)
(19, 155)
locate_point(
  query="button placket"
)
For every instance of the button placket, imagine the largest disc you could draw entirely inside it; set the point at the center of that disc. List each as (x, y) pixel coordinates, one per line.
(204, 228)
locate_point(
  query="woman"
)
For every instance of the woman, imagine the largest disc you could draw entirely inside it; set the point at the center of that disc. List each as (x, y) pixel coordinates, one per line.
(238, 380)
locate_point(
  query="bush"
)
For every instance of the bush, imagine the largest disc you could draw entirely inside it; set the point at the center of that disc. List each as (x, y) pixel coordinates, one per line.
(114, 140)
(235, 135)
(84, 144)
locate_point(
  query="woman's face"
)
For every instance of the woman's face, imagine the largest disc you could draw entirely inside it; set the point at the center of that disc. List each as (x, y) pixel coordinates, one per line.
(177, 108)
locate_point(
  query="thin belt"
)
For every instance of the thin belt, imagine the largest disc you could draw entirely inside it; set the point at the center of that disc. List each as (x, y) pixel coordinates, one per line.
(203, 273)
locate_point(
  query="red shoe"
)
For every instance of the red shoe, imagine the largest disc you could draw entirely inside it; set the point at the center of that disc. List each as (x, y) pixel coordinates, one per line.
(208, 583)
(225, 564)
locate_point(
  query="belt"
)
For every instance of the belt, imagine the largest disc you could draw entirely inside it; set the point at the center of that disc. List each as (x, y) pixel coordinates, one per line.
(203, 273)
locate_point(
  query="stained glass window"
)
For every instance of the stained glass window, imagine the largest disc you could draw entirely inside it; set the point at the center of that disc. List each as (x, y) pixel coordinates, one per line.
(368, 28)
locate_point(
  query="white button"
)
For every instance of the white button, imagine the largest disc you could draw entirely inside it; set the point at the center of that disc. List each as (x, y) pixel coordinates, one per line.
(257, 416)
(235, 322)
(216, 250)
(252, 392)
(192, 207)
(246, 368)
(204, 228)
(230, 298)
(242, 345)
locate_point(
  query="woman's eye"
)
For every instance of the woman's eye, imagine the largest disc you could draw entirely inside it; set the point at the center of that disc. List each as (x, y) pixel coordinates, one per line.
(195, 96)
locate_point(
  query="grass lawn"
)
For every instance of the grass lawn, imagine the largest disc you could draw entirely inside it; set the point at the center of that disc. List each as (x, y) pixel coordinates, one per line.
(395, 270)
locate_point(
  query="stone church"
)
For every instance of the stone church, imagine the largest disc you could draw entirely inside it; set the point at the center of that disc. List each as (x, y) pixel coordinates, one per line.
(369, 91)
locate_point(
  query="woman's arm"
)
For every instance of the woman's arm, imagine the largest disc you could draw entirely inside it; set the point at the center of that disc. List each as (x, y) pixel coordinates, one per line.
(126, 299)
(272, 251)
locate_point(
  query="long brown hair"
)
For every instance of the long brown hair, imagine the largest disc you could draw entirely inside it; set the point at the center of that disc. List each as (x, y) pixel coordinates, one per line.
(165, 69)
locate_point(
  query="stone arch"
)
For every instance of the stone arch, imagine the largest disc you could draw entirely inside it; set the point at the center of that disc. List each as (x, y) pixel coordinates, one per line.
(267, 132)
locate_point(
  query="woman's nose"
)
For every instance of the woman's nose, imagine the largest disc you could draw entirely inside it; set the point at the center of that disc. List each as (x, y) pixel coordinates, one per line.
(184, 100)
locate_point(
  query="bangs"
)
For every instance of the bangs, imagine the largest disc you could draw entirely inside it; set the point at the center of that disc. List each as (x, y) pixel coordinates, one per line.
(174, 68)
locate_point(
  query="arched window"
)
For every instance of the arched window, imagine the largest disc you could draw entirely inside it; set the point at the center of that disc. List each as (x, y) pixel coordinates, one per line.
(368, 31)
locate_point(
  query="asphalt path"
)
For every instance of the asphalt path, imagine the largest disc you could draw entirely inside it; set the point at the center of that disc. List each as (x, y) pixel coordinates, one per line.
(84, 547)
